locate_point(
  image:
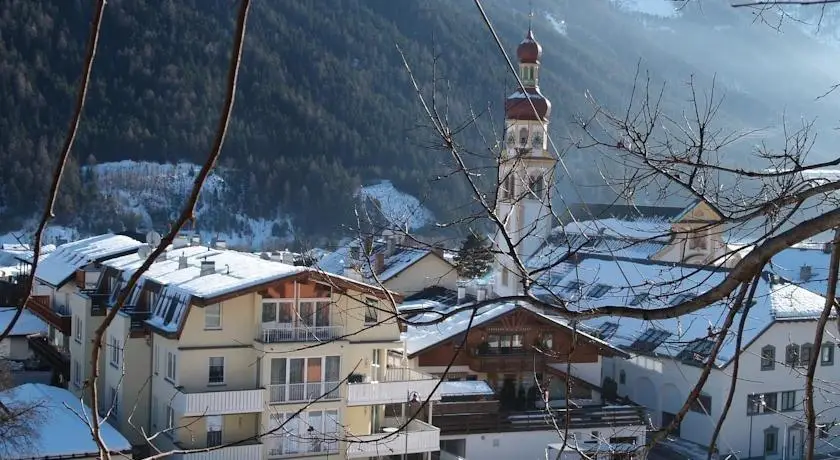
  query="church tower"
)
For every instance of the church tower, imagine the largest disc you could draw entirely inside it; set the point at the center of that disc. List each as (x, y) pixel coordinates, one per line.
(526, 171)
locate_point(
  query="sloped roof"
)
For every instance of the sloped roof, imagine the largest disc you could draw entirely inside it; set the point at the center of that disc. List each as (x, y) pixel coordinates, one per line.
(58, 266)
(419, 336)
(596, 282)
(789, 262)
(395, 263)
(27, 323)
(59, 431)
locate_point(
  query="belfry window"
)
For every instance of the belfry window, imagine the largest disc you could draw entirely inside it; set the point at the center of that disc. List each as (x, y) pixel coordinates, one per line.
(523, 137)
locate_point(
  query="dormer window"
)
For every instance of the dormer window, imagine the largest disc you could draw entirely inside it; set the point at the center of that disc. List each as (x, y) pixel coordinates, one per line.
(698, 241)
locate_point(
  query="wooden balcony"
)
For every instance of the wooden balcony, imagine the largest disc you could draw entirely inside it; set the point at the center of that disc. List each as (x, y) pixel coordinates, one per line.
(40, 306)
(60, 362)
(509, 362)
(98, 304)
(592, 417)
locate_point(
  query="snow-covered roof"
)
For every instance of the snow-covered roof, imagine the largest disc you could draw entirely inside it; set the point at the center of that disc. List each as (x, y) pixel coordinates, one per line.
(596, 282)
(638, 229)
(59, 265)
(556, 249)
(57, 429)
(465, 388)
(399, 259)
(789, 263)
(419, 336)
(27, 323)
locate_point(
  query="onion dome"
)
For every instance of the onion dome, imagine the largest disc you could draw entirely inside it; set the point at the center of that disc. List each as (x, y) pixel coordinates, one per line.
(529, 51)
(518, 108)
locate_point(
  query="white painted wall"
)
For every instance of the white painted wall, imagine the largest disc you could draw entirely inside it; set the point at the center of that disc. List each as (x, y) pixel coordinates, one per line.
(531, 445)
(664, 384)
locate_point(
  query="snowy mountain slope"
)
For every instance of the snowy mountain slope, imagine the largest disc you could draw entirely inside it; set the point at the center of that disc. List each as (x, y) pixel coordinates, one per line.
(401, 209)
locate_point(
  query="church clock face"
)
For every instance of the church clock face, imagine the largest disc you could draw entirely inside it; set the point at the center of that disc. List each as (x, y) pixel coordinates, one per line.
(510, 139)
(537, 140)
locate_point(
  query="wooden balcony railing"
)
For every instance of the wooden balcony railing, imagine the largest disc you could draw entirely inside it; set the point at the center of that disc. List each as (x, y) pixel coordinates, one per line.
(582, 418)
(59, 361)
(60, 318)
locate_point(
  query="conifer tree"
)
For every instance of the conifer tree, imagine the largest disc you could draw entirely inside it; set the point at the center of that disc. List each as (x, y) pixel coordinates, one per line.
(475, 257)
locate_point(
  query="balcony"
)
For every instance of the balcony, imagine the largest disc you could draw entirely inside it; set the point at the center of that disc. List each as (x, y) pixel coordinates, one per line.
(238, 452)
(57, 359)
(395, 387)
(219, 403)
(293, 447)
(98, 304)
(303, 392)
(417, 437)
(274, 334)
(58, 317)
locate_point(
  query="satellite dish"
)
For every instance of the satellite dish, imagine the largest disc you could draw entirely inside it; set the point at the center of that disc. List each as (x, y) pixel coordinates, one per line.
(144, 251)
(153, 238)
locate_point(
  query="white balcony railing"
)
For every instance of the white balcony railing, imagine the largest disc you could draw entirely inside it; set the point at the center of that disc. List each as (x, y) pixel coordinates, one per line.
(293, 446)
(219, 402)
(303, 392)
(396, 386)
(238, 452)
(299, 334)
(417, 437)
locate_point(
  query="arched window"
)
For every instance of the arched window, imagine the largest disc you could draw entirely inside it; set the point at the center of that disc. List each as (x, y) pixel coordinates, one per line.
(792, 355)
(768, 358)
(537, 186)
(523, 136)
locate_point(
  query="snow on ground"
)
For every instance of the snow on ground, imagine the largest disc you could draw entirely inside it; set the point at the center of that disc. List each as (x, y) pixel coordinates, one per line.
(659, 8)
(53, 234)
(558, 24)
(398, 207)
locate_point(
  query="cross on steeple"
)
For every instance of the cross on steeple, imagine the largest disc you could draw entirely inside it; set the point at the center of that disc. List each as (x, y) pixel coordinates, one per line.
(530, 14)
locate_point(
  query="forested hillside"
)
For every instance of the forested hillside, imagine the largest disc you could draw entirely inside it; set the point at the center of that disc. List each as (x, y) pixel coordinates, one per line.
(324, 103)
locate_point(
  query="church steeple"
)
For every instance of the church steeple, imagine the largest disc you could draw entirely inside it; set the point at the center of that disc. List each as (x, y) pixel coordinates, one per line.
(526, 170)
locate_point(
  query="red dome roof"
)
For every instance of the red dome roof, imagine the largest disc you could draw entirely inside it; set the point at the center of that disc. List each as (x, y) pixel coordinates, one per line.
(529, 51)
(517, 106)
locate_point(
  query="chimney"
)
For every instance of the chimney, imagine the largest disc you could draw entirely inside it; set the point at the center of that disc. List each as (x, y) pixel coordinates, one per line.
(805, 272)
(390, 245)
(208, 267)
(195, 241)
(379, 262)
(481, 294)
(437, 248)
(180, 241)
(182, 262)
(161, 257)
(462, 294)
(221, 244)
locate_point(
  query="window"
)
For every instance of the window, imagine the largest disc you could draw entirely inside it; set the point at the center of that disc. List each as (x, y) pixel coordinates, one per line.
(607, 330)
(697, 241)
(305, 432)
(77, 374)
(370, 311)
(788, 401)
(598, 290)
(505, 276)
(523, 137)
(827, 354)
(115, 352)
(115, 403)
(639, 298)
(537, 186)
(213, 316)
(761, 403)
(508, 186)
(547, 341)
(171, 366)
(216, 371)
(702, 405)
(573, 286)
(768, 358)
(504, 344)
(169, 422)
(156, 359)
(650, 340)
(214, 430)
(472, 378)
(792, 355)
(696, 351)
(805, 353)
(622, 377)
(304, 379)
(771, 440)
(77, 326)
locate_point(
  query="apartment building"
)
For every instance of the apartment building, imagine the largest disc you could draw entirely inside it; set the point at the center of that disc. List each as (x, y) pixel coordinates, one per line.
(215, 347)
(61, 276)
